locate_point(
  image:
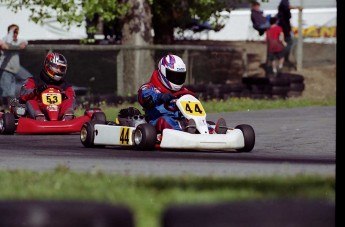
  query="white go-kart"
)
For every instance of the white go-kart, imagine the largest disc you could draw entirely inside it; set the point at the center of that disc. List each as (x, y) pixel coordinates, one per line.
(131, 129)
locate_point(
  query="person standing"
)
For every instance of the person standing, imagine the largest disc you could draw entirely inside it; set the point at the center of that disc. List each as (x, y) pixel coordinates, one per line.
(275, 45)
(284, 16)
(10, 64)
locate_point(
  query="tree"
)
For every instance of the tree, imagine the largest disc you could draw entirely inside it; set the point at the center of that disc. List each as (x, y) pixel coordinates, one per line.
(138, 18)
(166, 14)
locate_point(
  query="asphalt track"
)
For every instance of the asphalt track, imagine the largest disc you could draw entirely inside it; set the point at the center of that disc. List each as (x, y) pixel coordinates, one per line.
(288, 142)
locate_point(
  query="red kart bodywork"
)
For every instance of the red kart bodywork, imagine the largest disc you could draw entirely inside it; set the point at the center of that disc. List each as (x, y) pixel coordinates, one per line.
(51, 100)
(26, 125)
(32, 126)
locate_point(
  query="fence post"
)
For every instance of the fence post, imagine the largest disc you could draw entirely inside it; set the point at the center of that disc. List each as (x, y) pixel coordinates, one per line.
(185, 57)
(299, 56)
(120, 84)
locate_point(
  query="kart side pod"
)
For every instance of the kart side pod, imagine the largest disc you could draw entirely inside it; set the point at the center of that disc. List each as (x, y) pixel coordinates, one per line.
(94, 133)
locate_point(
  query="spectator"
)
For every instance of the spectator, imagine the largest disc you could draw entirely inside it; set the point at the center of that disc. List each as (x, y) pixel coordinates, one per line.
(260, 22)
(275, 45)
(284, 16)
(10, 64)
(53, 73)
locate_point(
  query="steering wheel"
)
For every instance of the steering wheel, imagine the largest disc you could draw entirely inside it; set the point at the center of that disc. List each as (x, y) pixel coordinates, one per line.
(178, 95)
(63, 93)
(184, 92)
(55, 87)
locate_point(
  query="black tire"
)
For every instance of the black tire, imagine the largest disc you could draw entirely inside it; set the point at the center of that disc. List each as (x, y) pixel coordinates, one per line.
(255, 80)
(7, 124)
(100, 117)
(294, 78)
(87, 133)
(67, 213)
(249, 137)
(297, 86)
(145, 137)
(280, 90)
(279, 81)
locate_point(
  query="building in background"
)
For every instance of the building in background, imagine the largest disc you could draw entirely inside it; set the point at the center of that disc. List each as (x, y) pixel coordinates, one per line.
(49, 30)
(319, 24)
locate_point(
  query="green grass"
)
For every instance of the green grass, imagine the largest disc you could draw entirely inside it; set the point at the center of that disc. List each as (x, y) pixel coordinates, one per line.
(147, 197)
(236, 104)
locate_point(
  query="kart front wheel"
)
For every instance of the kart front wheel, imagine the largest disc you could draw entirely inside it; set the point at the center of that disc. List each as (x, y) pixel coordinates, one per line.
(145, 137)
(249, 137)
(87, 134)
(7, 124)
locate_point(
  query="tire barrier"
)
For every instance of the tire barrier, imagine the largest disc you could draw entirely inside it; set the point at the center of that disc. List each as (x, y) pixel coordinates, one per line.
(282, 212)
(35, 213)
(283, 86)
(259, 213)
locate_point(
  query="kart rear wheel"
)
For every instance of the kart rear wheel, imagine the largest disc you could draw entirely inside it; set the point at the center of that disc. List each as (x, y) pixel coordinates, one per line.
(100, 117)
(145, 137)
(87, 133)
(249, 137)
(7, 124)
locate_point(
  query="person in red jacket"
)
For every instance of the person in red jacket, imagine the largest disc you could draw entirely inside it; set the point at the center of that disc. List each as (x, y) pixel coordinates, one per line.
(276, 45)
(53, 73)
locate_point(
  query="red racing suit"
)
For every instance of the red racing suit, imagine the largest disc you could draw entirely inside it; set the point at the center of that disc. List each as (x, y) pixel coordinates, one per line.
(31, 97)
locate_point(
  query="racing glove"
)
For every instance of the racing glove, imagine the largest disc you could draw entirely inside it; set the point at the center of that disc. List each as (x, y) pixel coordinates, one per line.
(165, 97)
(41, 88)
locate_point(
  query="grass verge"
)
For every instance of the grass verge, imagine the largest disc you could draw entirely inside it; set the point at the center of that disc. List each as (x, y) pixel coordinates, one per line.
(147, 197)
(235, 104)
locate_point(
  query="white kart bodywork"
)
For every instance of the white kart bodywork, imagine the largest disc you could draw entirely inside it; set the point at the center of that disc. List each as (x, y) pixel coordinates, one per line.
(233, 139)
(191, 108)
(172, 139)
(111, 135)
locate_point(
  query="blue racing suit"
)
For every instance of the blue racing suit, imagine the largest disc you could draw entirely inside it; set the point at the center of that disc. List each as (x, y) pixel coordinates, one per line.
(151, 98)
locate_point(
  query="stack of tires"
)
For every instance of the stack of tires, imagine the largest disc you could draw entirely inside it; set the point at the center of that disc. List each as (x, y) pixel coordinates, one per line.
(297, 84)
(279, 87)
(283, 86)
(217, 91)
(257, 87)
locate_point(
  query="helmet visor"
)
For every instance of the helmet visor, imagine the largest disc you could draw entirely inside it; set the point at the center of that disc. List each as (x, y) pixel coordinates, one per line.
(177, 78)
(57, 69)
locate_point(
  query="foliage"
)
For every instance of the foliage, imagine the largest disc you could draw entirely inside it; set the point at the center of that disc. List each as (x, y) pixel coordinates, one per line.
(185, 14)
(170, 14)
(68, 12)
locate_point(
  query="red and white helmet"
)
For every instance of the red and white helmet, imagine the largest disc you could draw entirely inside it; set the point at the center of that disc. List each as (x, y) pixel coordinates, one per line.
(55, 66)
(172, 72)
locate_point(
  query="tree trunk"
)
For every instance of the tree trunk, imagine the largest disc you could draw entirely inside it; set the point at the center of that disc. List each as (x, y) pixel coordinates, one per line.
(137, 64)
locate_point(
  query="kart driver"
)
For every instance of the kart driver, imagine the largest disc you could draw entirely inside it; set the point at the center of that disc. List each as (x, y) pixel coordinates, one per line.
(53, 73)
(165, 81)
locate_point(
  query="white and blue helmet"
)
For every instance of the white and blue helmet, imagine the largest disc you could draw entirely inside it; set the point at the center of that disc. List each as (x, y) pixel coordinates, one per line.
(172, 72)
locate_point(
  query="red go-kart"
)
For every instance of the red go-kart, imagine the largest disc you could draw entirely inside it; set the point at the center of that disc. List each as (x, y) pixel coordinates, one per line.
(17, 119)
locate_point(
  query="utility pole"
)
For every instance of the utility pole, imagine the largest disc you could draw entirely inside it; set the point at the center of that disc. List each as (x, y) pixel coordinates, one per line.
(299, 57)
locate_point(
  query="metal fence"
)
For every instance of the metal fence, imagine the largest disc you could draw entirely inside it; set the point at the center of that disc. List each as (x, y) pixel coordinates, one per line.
(101, 67)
